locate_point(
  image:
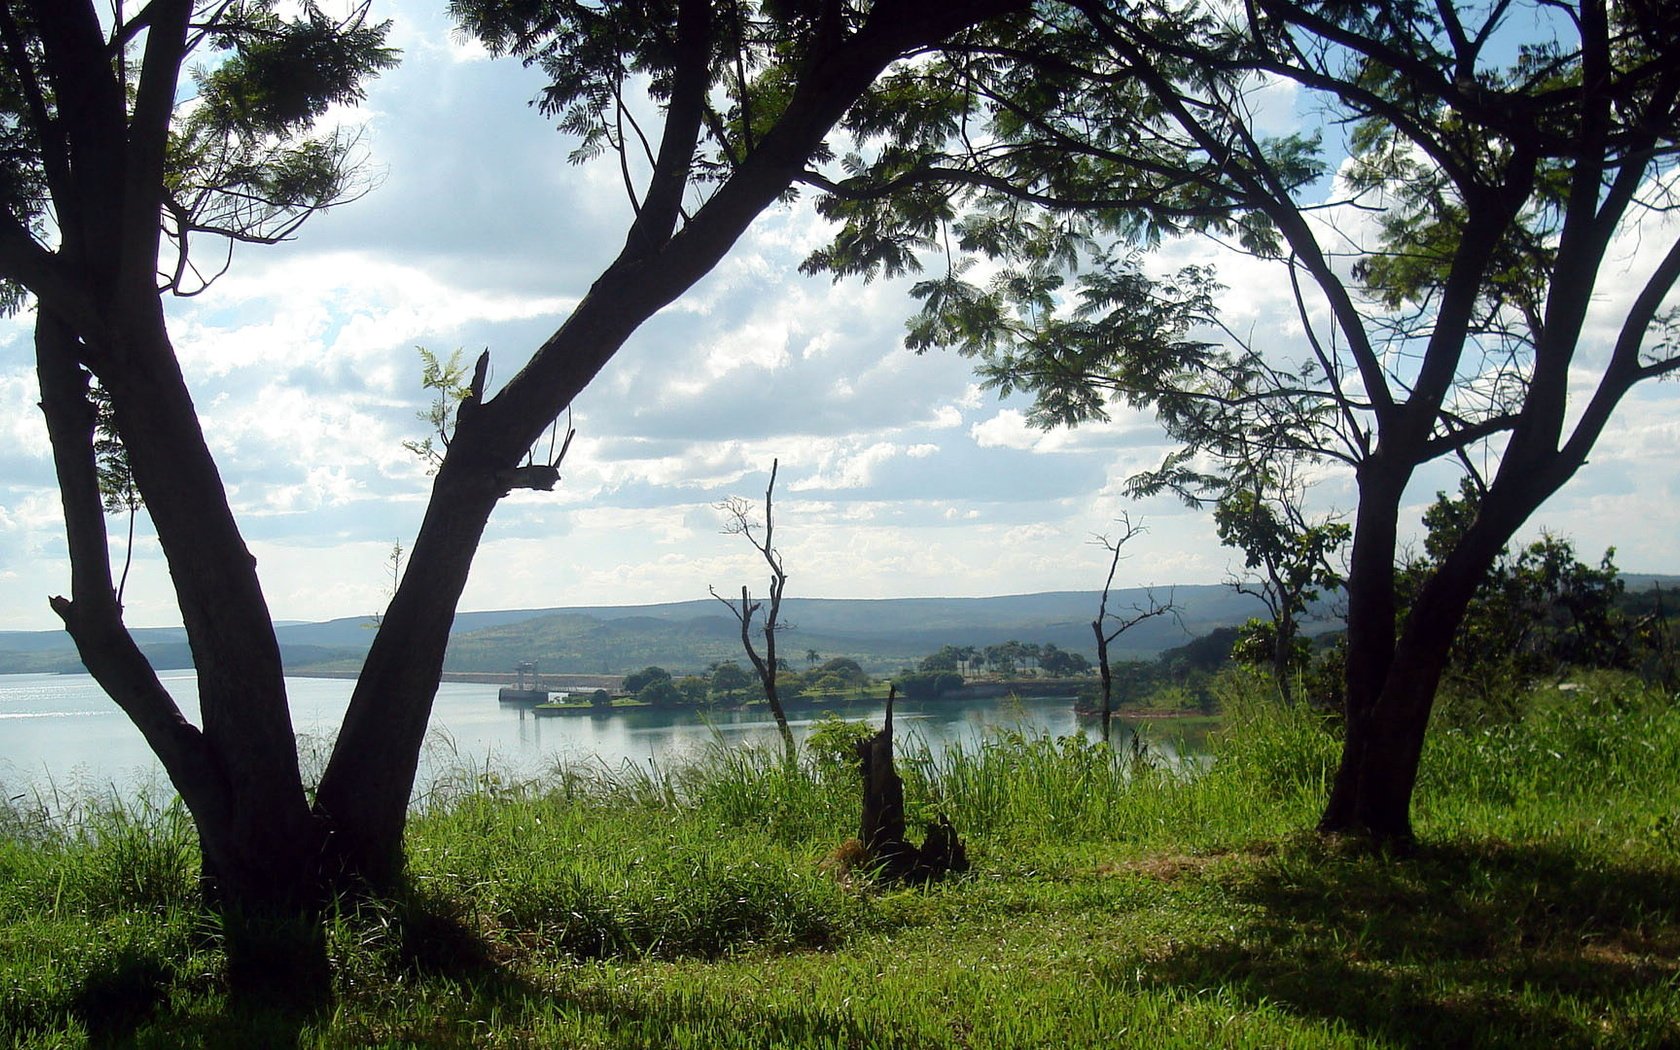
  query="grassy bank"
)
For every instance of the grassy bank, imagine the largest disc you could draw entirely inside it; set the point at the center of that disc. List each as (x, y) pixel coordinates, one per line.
(1112, 902)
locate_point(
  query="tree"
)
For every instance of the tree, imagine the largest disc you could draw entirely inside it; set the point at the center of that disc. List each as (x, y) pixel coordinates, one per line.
(660, 692)
(111, 186)
(1497, 153)
(694, 688)
(1288, 559)
(636, 681)
(1062, 664)
(111, 189)
(1109, 626)
(1023, 653)
(948, 658)
(728, 679)
(1536, 613)
(739, 521)
(836, 675)
(845, 669)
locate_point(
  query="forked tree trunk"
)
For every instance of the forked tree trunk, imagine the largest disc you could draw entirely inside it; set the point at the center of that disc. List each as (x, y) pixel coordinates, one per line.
(237, 775)
(1392, 676)
(1372, 791)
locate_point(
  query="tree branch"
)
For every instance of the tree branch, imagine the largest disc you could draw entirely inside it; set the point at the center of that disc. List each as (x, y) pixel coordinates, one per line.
(148, 139)
(684, 115)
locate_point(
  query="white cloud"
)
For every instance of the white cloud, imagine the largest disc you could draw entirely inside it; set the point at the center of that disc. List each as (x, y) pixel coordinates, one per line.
(899, 475)
(1007, 429)
(844, 467)
(946, 416)
(23, 433)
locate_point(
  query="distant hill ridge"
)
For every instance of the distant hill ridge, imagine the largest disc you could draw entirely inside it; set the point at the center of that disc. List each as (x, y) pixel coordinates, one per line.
(880, 633)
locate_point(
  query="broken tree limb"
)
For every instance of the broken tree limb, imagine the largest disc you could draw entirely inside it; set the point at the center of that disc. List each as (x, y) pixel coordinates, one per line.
(882, 829)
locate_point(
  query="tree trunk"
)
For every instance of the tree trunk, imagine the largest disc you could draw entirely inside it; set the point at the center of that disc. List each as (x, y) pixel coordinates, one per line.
(882, 827)
(363, 795)
(1106, 674)
(238, 775)
(1372, 791)
(1387, 712)
(1370, 636)
(1283, 653)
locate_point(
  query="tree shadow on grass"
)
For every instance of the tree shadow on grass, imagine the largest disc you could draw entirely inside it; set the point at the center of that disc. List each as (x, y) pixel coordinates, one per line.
(1476, 942)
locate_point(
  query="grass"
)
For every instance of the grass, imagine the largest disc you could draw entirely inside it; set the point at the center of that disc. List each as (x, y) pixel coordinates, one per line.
(1113, 902)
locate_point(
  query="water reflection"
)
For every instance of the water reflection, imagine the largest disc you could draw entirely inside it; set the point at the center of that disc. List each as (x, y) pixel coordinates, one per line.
(60, 731)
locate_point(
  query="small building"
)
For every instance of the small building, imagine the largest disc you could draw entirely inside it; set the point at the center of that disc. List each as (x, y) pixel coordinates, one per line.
(526, 688)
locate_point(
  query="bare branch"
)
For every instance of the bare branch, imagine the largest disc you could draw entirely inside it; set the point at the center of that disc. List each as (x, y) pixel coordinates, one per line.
(738, 521)
(1109, 626)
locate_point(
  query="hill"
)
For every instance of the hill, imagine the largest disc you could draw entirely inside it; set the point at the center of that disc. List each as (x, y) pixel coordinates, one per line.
(881, 634)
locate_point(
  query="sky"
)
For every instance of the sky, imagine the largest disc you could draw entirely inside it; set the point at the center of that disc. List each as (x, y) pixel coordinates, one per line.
(899, 476)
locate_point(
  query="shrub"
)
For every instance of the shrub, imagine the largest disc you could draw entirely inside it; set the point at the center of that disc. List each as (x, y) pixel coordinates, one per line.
(927, 685)
(832, 744)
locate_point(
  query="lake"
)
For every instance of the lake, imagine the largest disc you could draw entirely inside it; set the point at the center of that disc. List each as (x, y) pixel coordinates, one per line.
(61, 734)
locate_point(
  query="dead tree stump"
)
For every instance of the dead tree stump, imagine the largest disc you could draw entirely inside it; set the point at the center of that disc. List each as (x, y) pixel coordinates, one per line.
(890, 854)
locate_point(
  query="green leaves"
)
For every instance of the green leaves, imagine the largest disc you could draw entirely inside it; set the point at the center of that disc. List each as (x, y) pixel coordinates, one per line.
(1126, 337)
(448, 380)
(279, 75)
(1051, 120)
(1259, 519)
(1537, 611)
(603, 60)
(243, 160)
(117, 490)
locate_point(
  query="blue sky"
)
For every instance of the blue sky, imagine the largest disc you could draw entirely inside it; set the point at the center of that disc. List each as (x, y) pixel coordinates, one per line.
(899, 477)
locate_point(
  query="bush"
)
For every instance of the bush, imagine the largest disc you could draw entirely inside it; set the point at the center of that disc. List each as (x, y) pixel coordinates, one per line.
(660, 691)
(833, 742)
(635, 682)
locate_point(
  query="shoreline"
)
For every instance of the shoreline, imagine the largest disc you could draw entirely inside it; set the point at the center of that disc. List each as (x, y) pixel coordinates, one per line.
(1026, 688)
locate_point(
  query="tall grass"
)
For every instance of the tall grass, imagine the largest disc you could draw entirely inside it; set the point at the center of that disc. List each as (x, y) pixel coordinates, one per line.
(97, 918)
(1117, 900)
(1600, 758)
(632, 863)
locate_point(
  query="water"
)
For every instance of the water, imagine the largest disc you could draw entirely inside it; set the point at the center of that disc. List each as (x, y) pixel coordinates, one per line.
(61, 734)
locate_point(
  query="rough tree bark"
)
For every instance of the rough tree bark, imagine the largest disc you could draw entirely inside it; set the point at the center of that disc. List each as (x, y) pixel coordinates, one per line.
(882, 828)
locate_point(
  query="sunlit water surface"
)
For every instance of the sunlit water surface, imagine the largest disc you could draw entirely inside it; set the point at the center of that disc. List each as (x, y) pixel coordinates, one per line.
(61, 736)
